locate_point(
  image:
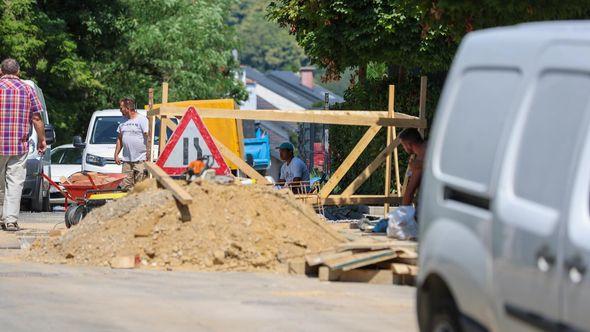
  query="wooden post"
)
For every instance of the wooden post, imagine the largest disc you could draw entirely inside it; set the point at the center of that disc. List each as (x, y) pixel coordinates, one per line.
(151, 126)
(241, 147)
(422, 105)
(163, 127)
(391, 134)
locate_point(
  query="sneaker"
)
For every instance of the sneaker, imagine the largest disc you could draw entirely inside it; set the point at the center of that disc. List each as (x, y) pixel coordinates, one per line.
(11, 227)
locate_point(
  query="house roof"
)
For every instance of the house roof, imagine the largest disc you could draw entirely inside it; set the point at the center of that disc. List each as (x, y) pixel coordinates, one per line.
(287, 84)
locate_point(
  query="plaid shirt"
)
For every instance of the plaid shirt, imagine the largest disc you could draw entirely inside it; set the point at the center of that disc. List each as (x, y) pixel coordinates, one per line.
(18, 102)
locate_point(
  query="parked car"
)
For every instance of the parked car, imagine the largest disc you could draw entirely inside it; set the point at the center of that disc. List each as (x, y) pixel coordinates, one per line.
(101, 139)
(65, 161)
(504, 208)
(35, 196)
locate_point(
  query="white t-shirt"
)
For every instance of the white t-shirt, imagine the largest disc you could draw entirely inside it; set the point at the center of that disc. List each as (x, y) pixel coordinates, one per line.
(133, 138)
(295, 169)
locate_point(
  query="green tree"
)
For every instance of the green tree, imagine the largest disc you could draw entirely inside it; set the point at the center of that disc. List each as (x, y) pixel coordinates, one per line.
(263, 44)
(85, 55)
(393, 41)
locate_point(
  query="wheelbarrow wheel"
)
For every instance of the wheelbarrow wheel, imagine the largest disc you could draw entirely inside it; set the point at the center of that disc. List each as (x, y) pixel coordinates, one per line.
(74, 214)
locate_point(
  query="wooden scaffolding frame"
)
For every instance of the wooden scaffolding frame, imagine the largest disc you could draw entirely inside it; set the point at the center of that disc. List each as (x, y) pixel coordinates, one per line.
(374, 120)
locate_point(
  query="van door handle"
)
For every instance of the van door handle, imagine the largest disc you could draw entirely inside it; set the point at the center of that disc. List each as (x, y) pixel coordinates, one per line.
(545, 259)
(575, 269)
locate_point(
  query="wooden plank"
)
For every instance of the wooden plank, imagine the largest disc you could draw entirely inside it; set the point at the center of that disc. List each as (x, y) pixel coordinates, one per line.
(361, 259)
(317, 259)
(404, 269)
(368, 171)
(354, 118)
(406, 247)
(349, 161)
(361, 199)
(390, 137)
(422, 103)
(239, 162)
(380, 277)
(170, 124)
(327, 274)
(169, 183)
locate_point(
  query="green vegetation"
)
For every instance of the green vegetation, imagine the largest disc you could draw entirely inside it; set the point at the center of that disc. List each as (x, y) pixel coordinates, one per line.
(85, 55)
(394, 42)
(263, 44)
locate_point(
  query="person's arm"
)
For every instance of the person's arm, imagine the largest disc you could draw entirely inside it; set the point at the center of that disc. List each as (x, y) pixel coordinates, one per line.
(40, 130)
(118, 148)
(37, 121)
(413, 182)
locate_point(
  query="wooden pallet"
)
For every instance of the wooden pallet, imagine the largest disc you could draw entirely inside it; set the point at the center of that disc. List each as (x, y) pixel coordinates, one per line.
(392, 262)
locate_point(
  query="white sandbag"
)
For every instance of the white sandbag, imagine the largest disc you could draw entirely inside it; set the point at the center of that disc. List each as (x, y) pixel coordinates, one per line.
(402, 225)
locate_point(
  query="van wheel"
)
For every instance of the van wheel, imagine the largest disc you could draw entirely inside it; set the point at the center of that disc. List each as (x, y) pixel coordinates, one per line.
(444, 322)
(36, 204)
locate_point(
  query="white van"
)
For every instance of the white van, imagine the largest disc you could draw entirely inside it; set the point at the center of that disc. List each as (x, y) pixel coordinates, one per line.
(35, 196)
(505, 200)
(101, 140)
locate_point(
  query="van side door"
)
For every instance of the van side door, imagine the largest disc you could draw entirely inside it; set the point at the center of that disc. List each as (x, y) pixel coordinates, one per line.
(576, 283)
(532, 199)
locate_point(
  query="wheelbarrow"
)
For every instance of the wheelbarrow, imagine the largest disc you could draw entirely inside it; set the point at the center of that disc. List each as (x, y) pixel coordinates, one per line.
(87, 190)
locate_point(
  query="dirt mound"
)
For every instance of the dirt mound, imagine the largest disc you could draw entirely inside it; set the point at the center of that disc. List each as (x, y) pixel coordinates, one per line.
(233, 227)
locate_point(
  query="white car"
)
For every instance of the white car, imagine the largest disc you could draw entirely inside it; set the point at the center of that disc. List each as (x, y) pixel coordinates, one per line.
(101, 140)
(65, 161)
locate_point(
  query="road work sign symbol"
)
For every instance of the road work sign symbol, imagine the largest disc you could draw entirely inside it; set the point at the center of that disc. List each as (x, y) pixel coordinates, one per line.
(191, 141)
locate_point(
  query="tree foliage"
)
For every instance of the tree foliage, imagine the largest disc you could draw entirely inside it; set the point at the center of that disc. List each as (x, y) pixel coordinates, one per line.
(263, 44)
(393, 42)
(85, 55)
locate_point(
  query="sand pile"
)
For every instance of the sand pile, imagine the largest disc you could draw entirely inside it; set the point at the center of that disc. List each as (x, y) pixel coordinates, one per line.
(233, 227)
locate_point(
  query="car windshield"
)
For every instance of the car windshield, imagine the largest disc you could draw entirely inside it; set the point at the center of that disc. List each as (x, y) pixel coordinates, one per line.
(105, 129)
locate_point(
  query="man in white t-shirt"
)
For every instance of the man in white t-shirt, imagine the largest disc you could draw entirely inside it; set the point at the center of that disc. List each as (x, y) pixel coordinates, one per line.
(132, 139)
(294, 172)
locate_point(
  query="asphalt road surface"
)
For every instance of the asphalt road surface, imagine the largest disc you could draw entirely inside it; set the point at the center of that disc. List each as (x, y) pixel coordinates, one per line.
(35, 297)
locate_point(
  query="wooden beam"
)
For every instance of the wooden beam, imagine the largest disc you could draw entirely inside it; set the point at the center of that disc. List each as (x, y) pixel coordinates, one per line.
(163, 134)
(181, 196)
(352, 200)
(391, 135)
(349, 161)
(165, 93)
(361, 259)
(151, 126)
(353, 118)
(373, 166)
(422, 104)
(169, 124)
(240, 163)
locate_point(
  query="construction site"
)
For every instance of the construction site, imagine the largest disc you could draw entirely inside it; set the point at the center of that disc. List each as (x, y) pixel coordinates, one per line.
(225, 216)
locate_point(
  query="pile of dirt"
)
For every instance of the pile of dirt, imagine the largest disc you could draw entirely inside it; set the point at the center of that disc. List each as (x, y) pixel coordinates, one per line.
(233, 227)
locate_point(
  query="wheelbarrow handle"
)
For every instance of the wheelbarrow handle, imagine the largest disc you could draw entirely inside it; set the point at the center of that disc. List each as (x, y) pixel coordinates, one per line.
(56, 186)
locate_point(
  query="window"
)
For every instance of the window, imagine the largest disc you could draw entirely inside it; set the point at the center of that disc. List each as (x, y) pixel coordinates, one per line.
(72, 157)
(105, 129)
(56, 155)
(551, 139)
(483, 105)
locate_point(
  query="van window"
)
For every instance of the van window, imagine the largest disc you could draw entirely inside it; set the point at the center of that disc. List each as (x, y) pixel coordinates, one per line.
(554, 125)
(482, 105)
(105, 129)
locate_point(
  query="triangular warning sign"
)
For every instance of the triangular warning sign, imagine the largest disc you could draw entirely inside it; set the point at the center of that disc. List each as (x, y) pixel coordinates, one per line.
(191, 141)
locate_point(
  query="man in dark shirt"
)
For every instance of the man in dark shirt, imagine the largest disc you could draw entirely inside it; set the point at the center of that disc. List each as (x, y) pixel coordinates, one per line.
(414, 145)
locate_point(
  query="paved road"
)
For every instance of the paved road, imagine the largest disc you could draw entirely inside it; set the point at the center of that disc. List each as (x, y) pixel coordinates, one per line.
(36, 297)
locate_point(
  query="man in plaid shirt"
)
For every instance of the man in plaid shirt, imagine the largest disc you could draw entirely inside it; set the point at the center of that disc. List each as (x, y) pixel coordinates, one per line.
(19, 108)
